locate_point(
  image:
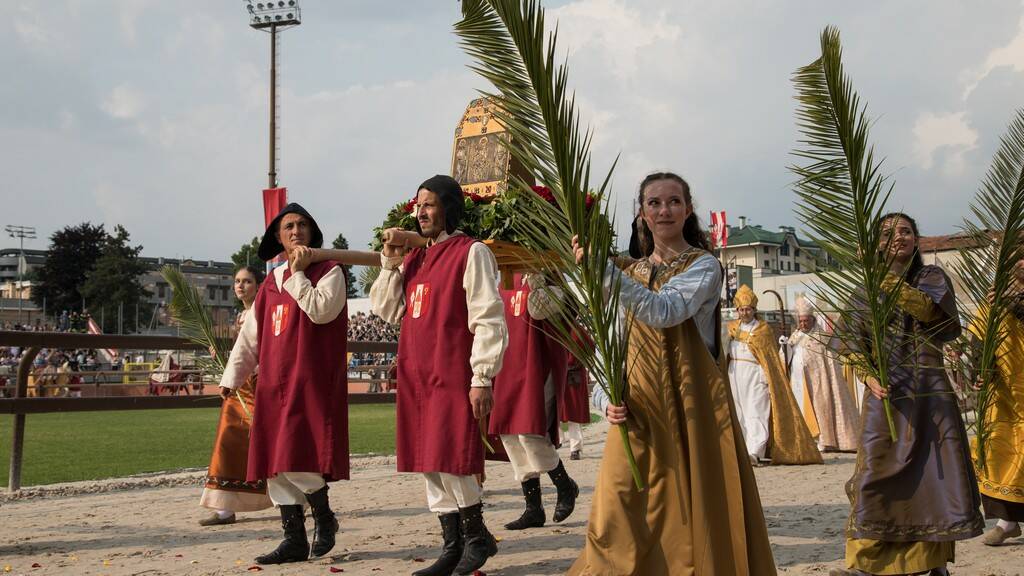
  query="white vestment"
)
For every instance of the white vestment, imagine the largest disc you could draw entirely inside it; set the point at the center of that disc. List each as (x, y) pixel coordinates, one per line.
(750, 393)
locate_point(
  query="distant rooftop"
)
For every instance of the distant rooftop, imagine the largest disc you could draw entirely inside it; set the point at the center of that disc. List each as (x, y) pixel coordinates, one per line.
(756, 234)
(35, 256)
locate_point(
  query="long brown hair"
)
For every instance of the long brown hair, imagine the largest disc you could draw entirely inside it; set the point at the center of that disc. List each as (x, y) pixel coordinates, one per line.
(917, 262)
(692, 232)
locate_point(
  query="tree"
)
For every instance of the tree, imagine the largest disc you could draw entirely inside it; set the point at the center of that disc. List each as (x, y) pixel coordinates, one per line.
(73, 252)
(115, 283)
(247, 255)
(341, 243)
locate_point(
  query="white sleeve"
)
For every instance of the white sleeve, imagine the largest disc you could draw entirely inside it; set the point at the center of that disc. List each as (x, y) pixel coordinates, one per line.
(387, 295)
(598, 399)
(245, 354)
(486, 314)
(678, 300)
(323, 302)
(544, 301)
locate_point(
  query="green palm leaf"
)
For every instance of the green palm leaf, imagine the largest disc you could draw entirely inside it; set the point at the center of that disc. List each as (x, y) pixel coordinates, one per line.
(193, 318)
(511, 48)
(986, 266)
(841, 197)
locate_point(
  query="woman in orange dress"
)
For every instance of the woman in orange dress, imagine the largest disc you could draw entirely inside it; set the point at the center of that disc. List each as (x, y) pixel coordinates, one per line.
(226, 491)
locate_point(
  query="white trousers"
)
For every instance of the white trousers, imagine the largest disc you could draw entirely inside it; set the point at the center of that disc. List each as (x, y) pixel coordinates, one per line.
(447, 492)
(288, 488)
(531, 455)
(574, 434)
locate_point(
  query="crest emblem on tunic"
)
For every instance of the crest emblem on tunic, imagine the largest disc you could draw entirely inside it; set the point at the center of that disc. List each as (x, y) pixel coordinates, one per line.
(517, 303)
(419, 300)
(279, 318)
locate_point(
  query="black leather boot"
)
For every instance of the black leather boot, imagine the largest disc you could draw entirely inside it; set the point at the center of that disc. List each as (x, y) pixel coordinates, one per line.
(568, 490)
(295, 547)
(452, 550)
(477, 543)
(325, 523)
(533, 516)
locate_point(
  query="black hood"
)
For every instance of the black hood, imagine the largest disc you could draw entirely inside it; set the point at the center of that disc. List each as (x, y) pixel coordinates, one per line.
(271, 247)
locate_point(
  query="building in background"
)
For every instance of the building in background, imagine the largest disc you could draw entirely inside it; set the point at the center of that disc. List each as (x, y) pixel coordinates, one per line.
(942, 251)
(768, 253)
(213, 279)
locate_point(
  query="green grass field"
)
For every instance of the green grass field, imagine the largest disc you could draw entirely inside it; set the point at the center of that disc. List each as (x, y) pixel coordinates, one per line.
(92, 445)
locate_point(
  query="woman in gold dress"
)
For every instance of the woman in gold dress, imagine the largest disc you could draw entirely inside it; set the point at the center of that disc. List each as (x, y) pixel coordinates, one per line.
(700, 513)
(1001, 481)
(226, 490)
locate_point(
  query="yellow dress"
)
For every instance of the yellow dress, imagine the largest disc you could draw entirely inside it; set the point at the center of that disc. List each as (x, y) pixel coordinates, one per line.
(1002, 477)
(791, 441)
(700, 514)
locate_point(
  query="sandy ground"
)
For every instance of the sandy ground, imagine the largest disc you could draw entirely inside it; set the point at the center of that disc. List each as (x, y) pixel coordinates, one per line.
(148, 526)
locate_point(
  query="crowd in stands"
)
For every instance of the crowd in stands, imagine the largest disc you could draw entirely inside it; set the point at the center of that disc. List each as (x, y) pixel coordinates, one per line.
(370, 328)
(52, 371)
(376, 365)
(65, 322)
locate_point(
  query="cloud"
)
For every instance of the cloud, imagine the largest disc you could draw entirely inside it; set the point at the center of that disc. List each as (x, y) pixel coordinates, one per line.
(949, 133)
(158, 113)
(609, 26)
(28, 25)
(130, 11)
(124, 102)
(1010, 55)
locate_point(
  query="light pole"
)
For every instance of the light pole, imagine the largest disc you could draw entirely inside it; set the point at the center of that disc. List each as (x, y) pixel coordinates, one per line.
(20, 232)
(273, 16)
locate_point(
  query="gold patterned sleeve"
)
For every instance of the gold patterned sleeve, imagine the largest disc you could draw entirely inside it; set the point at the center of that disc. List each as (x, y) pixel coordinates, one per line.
(913, 301)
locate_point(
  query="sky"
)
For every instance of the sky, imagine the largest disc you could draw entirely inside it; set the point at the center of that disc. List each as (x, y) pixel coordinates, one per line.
(153, 114)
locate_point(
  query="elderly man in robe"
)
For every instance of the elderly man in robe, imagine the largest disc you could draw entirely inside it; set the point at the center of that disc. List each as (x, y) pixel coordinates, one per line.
(298, 336)
(768, 414)
(819, 386)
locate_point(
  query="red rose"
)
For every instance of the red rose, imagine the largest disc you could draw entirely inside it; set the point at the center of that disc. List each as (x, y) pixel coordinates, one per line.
(476, 197)
(409, 206)
(589, 201)
(545, 193)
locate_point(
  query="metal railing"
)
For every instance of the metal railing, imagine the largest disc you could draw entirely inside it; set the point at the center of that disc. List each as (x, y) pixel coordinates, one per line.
(21, 405)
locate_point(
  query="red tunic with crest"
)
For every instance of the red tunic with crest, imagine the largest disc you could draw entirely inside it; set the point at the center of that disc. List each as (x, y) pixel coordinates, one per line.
(574, 401)
(532, 355)
(436, 431)
(300, 422)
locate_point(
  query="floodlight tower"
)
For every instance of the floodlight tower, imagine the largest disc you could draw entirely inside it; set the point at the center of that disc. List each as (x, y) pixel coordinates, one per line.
(20, 232)
(273, 15)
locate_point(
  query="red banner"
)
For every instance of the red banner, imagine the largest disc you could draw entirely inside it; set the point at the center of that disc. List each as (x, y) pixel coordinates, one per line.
(719, 230)
(274, 200)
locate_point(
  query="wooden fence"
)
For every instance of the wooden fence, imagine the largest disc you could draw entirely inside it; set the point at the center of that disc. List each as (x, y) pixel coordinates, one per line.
(33, 342)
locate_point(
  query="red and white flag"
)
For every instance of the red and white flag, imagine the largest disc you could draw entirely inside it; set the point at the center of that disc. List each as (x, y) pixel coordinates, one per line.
(719, 230)
(109, 355)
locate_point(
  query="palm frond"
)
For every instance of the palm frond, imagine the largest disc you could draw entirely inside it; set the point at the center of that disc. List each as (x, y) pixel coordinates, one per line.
(996, 244)
(513, 50)
(842, 195)
(367, 277)
(193, 318)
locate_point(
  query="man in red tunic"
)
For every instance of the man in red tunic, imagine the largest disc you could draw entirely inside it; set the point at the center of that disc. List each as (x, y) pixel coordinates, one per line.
(525, 391)
(574, 406)
(451, 344)
(298, 337)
